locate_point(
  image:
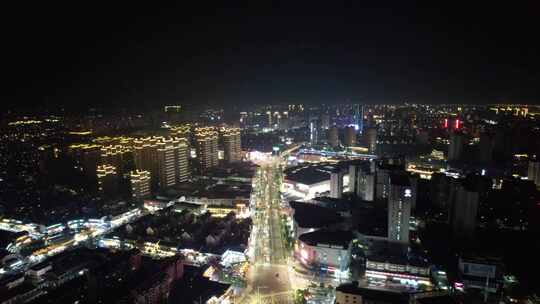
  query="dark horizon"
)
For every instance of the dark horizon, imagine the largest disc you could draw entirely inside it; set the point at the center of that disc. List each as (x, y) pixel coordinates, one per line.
(130, 56)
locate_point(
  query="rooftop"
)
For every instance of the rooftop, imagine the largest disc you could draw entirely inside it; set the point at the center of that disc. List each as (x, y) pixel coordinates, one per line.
(395, 253)
(327, 237)
(311, 173)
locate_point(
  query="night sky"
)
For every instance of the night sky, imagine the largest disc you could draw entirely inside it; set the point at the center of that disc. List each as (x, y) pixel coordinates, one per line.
(311, 52)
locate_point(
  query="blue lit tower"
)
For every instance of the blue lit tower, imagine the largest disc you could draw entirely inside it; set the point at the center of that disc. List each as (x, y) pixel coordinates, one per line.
(358, 117)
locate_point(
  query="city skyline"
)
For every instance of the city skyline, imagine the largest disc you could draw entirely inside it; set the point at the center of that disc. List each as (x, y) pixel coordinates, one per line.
(294, 153)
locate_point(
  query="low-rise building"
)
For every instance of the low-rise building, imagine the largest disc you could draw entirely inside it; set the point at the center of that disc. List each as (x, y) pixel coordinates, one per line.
(325, 250)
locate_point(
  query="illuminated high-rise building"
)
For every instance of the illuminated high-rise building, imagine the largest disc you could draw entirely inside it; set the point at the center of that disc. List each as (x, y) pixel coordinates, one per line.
(107, 179)
(181, 131)
(117, 155)
(358, 118)
(350, 136)
(313, 132)
(145, 156)
(140, 183)
(399, 207)
(173, 164)
(207, 147)
(167, 160)
(232, 144)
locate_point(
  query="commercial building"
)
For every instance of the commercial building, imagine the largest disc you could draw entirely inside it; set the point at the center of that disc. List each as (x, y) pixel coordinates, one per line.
(352, 293)
(399, 207)
(325, 250)
(232, 144)
(463, 209)
(140, 183)
(480, 272)
(310, 180)
(350, 137)
(395, 261)
(107, 178)
(207, 147)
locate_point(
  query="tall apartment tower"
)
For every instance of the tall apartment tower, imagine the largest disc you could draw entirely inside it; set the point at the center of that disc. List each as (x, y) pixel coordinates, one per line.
(399, 208)
(457, 143)
(207, 147)
(463, 209)
(183, 171)
(140, 183)
(333, 136)
(116, 155)
(181, 131)
(232, 144)
(382, 187)
(107, 179)
(359, 117)
(350, 136)
(371, 138)
(362, 180)
(145, 156)
(313, 132)
(336, 184)
(172, 160)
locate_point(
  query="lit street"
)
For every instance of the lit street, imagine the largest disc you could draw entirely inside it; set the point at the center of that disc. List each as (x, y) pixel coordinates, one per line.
(268, 279)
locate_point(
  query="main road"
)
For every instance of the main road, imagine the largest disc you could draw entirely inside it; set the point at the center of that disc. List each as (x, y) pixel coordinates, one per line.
(268, 279)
